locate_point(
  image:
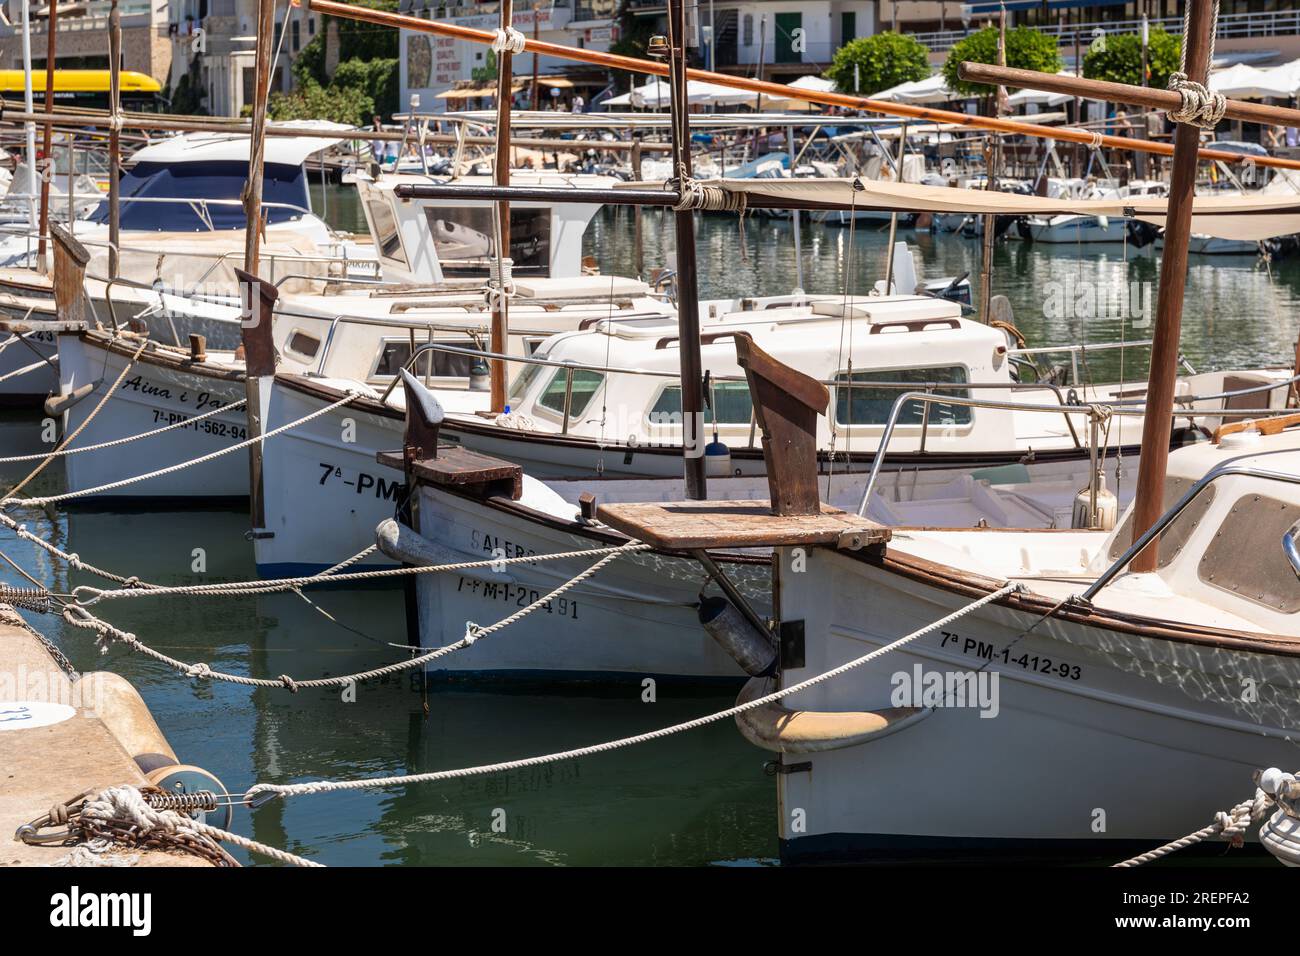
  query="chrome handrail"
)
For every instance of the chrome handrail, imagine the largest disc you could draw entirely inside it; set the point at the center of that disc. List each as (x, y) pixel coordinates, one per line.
(1167, 518)
(927, 399)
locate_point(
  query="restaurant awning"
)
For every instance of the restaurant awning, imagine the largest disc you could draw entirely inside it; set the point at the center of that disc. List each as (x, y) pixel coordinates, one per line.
(473, 92)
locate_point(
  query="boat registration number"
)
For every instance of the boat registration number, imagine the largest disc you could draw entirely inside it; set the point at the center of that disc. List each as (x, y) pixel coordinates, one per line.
(207, 426)
(517, 596)
(986, 651)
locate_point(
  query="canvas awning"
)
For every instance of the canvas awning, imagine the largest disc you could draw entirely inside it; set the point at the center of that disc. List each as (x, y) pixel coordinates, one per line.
(1250, 218)
(473, 92)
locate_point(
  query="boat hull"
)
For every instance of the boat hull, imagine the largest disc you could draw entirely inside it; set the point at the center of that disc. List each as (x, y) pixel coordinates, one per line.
(1099, 739)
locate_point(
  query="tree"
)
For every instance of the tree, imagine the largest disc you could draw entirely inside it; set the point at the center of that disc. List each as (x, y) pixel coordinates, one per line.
(369, 74)
(1026, 50)
(1118, 59)
(870, 64)
(350, 105)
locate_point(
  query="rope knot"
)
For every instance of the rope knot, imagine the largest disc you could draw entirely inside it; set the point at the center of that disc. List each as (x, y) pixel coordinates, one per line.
(200, 670)
(472, 633)
(290, 684)
(508, 39)
(501, 283)
(1200, 107)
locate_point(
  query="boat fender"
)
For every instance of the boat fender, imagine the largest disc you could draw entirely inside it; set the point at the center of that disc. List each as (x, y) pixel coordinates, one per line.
(1107, 509)
(410, 547)
(717, 460)
(1280, 833)
(753, 650)
(56, 405)
(123, 712)
(782, 730)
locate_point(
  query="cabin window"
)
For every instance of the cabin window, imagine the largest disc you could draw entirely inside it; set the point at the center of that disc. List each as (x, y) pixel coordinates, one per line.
(747, 24)
(303, 345)
(523, 382)
(1245, 555)
(386, 234)
(432, 362)
(871, 405)
(731, 399)
(464, 240)
(202, 196)
(585, 385)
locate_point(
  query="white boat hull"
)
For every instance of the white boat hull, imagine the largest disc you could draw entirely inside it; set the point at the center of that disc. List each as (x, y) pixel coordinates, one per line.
(1078, 229)
(150, 397)
(28, 369)
(635, 619)
(1102, 740)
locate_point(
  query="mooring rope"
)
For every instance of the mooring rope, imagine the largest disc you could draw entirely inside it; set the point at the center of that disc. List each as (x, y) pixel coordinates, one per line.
(113, 808)
(9, 497)
(509, 39)
(128, 439)
(86, 596)
(258, 793)
(1227, 826)
(78, 616)
(171, 469)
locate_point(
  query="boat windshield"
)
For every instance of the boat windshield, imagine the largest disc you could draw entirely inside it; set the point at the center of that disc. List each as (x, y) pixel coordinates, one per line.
(282, 184)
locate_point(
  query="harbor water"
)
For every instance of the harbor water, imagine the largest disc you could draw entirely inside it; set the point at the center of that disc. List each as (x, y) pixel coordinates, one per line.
(696, 798)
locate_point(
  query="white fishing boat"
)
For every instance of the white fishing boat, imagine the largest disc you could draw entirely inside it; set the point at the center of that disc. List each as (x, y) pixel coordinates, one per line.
(182, 234)
(1139, 690)
(345, 334)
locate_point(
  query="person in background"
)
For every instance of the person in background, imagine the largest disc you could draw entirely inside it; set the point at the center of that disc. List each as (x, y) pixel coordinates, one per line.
(579, 104)
(1273, 138)
(377, 145)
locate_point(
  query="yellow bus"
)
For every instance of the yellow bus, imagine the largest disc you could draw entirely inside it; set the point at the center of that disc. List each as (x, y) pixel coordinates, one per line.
(86, 89)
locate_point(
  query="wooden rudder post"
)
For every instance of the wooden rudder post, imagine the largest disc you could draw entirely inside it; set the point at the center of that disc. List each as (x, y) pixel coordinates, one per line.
(70, 260)
(786, 406)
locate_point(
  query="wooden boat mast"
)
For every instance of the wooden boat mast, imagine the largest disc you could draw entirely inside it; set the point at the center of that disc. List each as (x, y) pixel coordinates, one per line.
(1162, 378)
(688, 301)
(47, 146)
(114, 137)
(501, 176)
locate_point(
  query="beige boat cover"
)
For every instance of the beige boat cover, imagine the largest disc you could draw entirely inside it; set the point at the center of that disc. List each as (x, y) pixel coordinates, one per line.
(1250, 218)
(209, 259)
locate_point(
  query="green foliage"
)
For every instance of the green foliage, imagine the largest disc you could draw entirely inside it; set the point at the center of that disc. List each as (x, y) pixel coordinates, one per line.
(879, 62)
(348, 104)
(1118, 59)
(186, 98)
(1026, 50)
(633, 34)
(367, 73)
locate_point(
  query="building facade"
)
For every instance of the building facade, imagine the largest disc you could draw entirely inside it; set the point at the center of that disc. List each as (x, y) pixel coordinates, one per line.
(437, 70)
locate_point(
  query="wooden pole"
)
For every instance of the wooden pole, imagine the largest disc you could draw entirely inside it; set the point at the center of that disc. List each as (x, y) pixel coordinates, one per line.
(688, 303)
(114, 136)
(258, 296)
(1162, 376)
(782, 91)
(537, 16)
(1145, 96)
(501, 312)
(257, 137)
(47, 145)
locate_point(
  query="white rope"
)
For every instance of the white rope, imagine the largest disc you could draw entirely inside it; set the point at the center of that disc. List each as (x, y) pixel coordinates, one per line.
(1227, 826)
(86, 596)
(115, 806)
(79, 617)
(123, 441)
(268, 790)
(24, 371)
(501, 282)
(170, 469)
(695, 195)
(1200, 106)
(509, 40)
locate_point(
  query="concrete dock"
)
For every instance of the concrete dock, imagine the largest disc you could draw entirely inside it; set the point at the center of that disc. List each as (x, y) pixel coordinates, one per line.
(53, 746)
